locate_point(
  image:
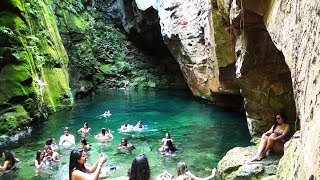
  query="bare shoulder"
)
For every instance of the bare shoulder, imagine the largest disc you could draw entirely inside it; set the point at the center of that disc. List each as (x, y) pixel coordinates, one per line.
(78, 175)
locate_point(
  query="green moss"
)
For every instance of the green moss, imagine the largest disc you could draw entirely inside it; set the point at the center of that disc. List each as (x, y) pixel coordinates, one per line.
(105, 69)
(17, 3)
(79, 22)
(12, 79)
(85, 84)
(17, 117)
(12, 21)
(99, 77)
(222, 40)
(57, 86)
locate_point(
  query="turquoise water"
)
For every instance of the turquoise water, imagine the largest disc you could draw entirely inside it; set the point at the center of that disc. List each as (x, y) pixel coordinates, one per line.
(202, 132)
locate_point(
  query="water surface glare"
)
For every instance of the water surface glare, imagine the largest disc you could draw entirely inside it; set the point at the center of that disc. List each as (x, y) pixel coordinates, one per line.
(202, 132)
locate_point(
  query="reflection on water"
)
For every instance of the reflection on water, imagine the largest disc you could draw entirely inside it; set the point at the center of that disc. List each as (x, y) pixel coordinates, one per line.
(202, 133)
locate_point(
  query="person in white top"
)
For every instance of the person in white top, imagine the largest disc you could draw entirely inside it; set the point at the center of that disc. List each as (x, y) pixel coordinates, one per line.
(67, 140)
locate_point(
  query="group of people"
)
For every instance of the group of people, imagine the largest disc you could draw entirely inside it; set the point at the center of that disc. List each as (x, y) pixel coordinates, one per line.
(271, 141)
(128, 128)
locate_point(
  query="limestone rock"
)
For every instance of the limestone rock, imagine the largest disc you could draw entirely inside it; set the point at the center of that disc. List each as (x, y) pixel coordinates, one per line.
(233, 166)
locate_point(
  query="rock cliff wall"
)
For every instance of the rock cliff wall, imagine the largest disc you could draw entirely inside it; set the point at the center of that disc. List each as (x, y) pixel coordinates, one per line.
(33, 63)
(294, 28)
(274, 54)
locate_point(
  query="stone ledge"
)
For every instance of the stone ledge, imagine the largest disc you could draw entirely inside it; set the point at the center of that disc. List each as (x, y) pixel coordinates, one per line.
(233, 166)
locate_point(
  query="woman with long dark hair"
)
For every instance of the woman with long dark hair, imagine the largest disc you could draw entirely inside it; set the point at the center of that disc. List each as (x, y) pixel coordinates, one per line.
(274, 138)
(166, 142)
(140, 169)
(85, 145)
(40, 160)
(77, 168)
(124, 145)
(104, 136)
(85, 129)
(9, 161)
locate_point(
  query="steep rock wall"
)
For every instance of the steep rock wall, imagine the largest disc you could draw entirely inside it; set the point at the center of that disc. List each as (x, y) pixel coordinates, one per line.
(294, 28)
(33, 63)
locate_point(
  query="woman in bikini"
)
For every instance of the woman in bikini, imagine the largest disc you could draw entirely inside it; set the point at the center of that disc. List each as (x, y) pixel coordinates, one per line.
(274, 139)
(85, 129)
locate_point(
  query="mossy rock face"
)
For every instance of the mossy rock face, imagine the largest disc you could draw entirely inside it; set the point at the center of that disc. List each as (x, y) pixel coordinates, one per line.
(16, 81)
(17, 117)
(33, 64)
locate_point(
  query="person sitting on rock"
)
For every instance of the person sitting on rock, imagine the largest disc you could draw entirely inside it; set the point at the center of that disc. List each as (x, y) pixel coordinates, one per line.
(274, 139)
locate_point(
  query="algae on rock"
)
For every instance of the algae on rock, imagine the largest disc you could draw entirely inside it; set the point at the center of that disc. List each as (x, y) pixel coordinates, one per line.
(32, 53)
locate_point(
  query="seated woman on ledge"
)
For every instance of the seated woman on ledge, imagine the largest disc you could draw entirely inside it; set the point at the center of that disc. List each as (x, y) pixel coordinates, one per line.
(274, 139)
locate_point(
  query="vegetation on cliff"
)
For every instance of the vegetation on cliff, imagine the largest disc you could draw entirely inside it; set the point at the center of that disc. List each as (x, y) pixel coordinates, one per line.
(33, 63)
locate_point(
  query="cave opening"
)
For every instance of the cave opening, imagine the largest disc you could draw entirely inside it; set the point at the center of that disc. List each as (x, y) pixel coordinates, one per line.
(262, 75)
(142, 29)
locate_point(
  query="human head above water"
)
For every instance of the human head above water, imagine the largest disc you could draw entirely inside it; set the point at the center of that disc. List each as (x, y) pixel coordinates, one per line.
(140, 169)
(168, 136)
(280, 118)
(66, 131)
(181, 168)
(84, 141)
(76, 161)
(86, 125)
(124, 142)
(103, 131)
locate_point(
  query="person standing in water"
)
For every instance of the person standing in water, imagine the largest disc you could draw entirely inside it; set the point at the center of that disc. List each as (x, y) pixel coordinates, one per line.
(67, 140)
(79, 171)
(104, 136)
(85, 129)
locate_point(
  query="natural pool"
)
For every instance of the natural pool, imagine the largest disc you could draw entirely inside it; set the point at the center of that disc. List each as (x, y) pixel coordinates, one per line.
(202, 132)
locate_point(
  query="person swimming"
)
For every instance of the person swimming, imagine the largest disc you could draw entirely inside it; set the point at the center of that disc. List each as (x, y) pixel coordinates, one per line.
(167, 146)
(104, 136)
(124, 145)
(85, 129)
(84, 145)
(126, 128)
(106, 114)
